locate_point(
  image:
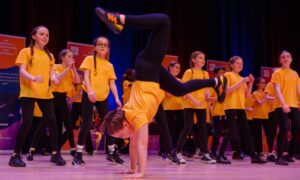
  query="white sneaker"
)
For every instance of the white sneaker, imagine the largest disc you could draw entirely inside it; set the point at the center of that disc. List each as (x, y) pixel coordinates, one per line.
(180, 158)
(207, 159)
(197, 154)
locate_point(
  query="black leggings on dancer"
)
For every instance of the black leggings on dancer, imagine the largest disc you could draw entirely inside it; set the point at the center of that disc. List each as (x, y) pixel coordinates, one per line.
(47, 108)
(148, 62)
(87, 116)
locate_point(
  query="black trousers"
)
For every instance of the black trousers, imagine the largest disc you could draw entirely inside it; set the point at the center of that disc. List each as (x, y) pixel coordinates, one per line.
(236, 117)
(283, 118)
(175, 122)
(218, 123)
(188, 126)
(47, 108)
(257, 126)
(87, 115)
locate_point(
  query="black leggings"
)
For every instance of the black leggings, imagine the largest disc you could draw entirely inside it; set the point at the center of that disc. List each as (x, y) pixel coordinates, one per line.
(47, 108)
(188, 126)
(273, 125)
(148, 62)
(63, 117)
(175, 122)
(237, 117)
(218, 121)
(283, 118)
(87, 116)
(166, 141)
(257, 126)
(75, 113)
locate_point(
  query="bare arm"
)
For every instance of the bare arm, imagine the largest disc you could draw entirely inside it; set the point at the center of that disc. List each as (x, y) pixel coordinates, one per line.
(142, 148)
(27, 75)
(285, 107)
(230, 89)
(133, 154)
(76, 77)
(91, 93)
(114, 90)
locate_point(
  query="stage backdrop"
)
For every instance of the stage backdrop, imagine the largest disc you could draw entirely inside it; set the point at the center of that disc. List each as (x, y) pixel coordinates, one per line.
(212, 64)
(266, 73)
(9, 89)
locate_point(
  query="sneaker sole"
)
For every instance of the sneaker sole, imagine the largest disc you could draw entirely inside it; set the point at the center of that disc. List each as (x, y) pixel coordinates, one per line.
(101, 15)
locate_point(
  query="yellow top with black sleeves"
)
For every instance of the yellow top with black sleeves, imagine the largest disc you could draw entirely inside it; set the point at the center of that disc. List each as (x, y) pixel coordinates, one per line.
(99, 77)
(126, 90)
(40, 65)
(271, 92)
(260, 111)
(198, 94)
(235, 99)
(145, 97)
(172, 103)
(288, 81)
(66, 83)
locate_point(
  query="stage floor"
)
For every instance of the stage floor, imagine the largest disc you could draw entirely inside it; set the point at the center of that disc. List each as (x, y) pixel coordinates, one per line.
(98, 168)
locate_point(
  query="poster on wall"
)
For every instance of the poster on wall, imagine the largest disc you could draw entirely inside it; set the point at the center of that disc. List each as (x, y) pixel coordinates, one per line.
(212, 64)
(80, 51)
(9, 89)
(266, 73)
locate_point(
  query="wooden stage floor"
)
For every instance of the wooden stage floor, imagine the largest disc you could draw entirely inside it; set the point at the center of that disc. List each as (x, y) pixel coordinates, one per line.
(98, 168)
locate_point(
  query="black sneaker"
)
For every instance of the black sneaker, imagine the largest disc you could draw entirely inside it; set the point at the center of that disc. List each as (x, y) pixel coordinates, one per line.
(57, 159)
(112, 20)
(77, 160)
(221, 88)
(289, 158)
(16, 161)
(223, 160)
(29, 156)
(281, 161)
(73, 153)
(237, 156)
(90, 153)
(114, 157)
(172, 158)
(271, 158)
(258, 160)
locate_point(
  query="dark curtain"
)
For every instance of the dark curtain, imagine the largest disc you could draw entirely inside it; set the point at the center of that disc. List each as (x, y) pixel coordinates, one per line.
(257, 30)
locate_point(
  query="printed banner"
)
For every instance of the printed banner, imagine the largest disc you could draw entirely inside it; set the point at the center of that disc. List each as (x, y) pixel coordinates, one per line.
(212, 64)
(80, 51)
(9, 89)
(266, 73)
(168, 59)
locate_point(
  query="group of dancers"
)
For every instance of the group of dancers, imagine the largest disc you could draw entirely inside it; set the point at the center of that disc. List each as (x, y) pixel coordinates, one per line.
(155, 92)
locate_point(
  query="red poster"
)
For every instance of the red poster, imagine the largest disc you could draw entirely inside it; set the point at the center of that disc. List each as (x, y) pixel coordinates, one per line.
(168, 59)
(266, 73)
(212, 64)
(9, 91)
(80, 51)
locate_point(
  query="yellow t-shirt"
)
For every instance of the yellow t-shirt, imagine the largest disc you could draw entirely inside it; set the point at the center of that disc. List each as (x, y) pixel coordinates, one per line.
(249, 104)
(199, 94)
(271, 92)
(37, 111)
(40, 65)
(76, 92)
(235, 99)
(143, 103)
(260, 111)
(99, 78)
(171, 102)
(66, 83)
(126, 90)
(288, 80)
(217, 108)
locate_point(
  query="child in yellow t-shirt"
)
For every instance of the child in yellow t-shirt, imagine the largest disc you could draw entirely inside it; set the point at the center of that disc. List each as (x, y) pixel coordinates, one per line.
(287, 87)
(99, 80)
(272, 120)
(147, 91)
(234, 105)
(36, 71)
(260, 114)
